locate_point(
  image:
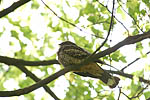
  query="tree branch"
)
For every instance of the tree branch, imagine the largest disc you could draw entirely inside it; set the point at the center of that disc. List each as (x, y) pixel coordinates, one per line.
(13, 7)
(127, 41)
(36, 85)
(114, 16)
(54, 76)
(15, 62)
(36, 79)
(138, 94)
(128, 76)
(61, 18)
(132, 62)
(119, 93)
(135, 21)
(110, 27)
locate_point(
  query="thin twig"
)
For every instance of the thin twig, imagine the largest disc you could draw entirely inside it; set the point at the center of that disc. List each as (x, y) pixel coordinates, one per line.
(128, 76)
(119, 93)
(138, 94)
(4, 75)
(127, 41)
(110, 27)
(61, 17)
(125, 95)
(114, 16)
(130, 16)
(132, 62)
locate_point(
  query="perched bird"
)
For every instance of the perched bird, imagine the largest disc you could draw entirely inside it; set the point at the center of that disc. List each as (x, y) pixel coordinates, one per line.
(71, 54)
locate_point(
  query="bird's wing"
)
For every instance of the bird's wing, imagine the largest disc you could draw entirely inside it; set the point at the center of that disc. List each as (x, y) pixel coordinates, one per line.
(95, 71)
(76, 52)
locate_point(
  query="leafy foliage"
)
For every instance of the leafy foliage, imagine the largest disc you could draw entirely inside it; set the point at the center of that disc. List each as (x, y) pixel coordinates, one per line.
(33, 32)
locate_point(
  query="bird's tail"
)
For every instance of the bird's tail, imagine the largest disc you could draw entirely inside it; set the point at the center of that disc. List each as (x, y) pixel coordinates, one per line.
(95, 71)
(108, 79)
(111, 81)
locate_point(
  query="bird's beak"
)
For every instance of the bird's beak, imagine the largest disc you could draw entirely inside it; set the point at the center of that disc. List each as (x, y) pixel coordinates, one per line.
(60, 44)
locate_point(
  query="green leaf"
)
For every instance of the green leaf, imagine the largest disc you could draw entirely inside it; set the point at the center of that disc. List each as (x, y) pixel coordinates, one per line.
(12, 71)
(139, 46)
(14, 34)
(27, 31)
(25, 83)
(123, 59)
(106, 26)
(34, 45)
(146, 2)
(92, 19)
(85, 43)
(143, 12)
(147, 26)
(134, 88)
(29, 96)
(133, 8)
(147, 94)
(98, 33)
(135, 32)
(139, 73)
(89, 9)
(1, 33)
(115, 56)
(119, 10)
(103, 10)
(111, 97)
(35, 5)
(15, 23)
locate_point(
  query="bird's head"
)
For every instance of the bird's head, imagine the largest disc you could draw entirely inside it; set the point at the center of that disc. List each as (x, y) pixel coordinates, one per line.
(66, 43)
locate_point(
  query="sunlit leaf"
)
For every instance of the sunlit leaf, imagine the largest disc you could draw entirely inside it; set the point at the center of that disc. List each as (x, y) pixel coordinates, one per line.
(120, 11)
(147, 95)
(93, 22)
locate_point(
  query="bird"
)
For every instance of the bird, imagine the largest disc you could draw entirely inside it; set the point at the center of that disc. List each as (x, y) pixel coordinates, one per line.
(71, 54)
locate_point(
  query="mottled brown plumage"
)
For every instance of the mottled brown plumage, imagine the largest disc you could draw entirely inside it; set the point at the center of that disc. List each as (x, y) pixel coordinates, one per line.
(71, 54)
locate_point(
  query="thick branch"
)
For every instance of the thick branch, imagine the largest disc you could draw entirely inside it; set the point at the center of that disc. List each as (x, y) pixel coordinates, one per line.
(36, 79)
(127, 41)
(54, 76)
(13, 7)
(34, 86)
(13, 61)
